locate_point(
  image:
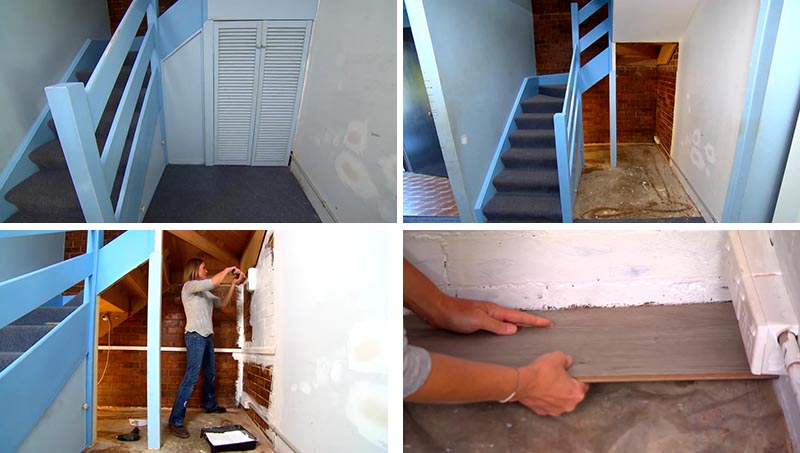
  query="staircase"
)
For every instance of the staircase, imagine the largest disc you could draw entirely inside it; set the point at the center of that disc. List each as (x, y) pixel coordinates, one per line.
(22, 334)
(537, 165)
(45, 346)
(527, 187)
(49, 195)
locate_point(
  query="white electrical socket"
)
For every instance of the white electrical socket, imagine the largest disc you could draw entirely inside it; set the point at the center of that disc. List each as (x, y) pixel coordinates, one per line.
(760, 300)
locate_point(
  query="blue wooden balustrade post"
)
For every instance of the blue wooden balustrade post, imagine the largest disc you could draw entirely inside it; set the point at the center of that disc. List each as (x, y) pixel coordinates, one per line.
(154, 344)
(612, 85)
(94, 241)
(69, 105)
(155, 62)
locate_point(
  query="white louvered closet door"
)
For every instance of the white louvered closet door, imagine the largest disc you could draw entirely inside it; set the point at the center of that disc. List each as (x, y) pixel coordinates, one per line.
(236, 63)
(285, 46)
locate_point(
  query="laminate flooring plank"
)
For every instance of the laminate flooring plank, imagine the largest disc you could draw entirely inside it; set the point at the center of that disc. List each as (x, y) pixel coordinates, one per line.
(648, 343)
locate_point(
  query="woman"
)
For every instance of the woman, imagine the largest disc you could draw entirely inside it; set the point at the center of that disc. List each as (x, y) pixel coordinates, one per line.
(198, 303)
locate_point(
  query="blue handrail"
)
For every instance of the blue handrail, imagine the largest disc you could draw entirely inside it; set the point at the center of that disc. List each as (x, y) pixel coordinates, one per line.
(77, 111)
(568, 123)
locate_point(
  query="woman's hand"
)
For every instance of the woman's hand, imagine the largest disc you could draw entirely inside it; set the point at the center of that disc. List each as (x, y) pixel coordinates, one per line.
(546, 388)
(239, 276)
(468, 316)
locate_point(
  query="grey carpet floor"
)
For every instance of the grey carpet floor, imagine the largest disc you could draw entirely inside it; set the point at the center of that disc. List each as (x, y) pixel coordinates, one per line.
(228, 194)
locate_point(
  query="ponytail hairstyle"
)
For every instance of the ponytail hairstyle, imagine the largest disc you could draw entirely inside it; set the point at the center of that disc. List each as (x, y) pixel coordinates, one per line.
(192, 269)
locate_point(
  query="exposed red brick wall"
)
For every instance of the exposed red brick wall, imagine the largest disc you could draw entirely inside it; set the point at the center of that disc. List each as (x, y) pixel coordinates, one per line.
(552, 30)
(125, 381)
(665, 108)
(258, 382)
(257, 419)
(637, 88)
(117, 9)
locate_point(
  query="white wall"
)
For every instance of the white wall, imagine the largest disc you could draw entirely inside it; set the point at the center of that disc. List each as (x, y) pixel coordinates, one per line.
(483, 51)
(346, 137)
(21, 255)
(183, 102)
(788, 207)
(329, 382)
(787, 249)
(40, 39)
(713, 68)
(562, 269)
(262, 303)
(652, 20)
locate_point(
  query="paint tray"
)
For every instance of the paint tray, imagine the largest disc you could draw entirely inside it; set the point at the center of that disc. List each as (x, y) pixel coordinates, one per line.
(229, 438)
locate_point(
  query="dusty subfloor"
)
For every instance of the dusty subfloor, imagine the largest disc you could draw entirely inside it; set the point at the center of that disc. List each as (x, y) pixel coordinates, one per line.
(648, 417)
(114, 421)
(641, 187)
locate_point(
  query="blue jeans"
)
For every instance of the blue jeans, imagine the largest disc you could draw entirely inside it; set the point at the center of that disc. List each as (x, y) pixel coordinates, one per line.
(199, 352)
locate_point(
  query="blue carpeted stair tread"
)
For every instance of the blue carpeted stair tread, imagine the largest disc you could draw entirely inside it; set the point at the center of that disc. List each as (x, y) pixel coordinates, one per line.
(532, 138)
(530, 158)
(523, 208)
(46, 191)
(542, 104)
(21, 338)
(49, 156)
(534, 121)
(526, 180)
(559, 91)
(6, 358)
(26, 216)
(44, 315)
(76, 300)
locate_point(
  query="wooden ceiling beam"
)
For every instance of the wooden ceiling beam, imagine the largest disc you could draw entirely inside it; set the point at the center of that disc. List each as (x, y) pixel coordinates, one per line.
(666, 52)
(196, 239)
(250, 255)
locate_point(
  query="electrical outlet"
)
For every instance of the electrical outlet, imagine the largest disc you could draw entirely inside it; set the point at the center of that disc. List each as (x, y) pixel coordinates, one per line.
(760, 300)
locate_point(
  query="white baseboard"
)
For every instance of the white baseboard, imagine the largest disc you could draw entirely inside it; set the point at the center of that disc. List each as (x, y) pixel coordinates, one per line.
(791, 409)
(320, 207)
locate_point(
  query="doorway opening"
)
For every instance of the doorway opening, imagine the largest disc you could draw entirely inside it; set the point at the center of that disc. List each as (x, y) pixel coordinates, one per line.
(644, 186)
(427, 195)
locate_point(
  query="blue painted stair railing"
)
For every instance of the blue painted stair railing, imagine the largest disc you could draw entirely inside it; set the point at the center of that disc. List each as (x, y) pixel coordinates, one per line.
(536, 168)
(77, 110)
(42, 346)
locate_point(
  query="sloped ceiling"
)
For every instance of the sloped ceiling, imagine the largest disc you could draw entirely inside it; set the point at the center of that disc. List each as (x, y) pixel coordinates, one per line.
(652, 20)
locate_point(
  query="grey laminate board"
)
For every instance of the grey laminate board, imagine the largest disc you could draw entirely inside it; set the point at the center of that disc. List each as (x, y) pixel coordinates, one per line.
(649, 343)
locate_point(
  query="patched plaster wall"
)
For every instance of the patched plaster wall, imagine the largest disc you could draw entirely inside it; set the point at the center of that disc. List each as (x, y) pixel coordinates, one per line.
(562, 269)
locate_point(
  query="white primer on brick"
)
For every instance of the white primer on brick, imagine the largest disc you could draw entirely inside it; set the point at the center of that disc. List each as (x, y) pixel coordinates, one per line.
(562, 269)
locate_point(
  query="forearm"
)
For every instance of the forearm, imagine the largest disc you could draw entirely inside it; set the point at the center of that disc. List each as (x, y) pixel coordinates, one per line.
(219, 277)
(420, 295)
(228, 296)
(453, 380)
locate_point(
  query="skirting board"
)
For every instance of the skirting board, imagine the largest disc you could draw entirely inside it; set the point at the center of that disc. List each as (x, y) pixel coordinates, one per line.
(311, 193)
(649, 343)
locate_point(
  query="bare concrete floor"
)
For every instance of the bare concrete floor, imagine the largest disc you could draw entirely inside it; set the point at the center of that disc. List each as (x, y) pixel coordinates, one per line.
(651, 417)
(641, 187)
(112, 422)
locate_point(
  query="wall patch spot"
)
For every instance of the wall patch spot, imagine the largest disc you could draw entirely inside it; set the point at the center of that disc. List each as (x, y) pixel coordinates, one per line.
(356, 137)
(353, 173)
